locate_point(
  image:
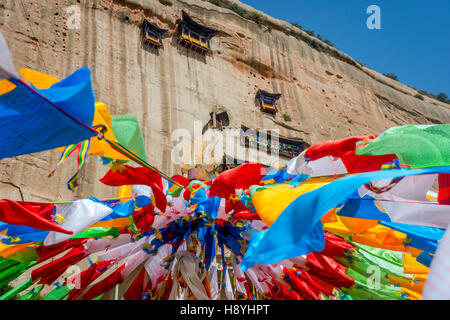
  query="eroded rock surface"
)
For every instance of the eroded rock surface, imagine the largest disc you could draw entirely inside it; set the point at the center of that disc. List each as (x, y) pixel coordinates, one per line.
(327, 95)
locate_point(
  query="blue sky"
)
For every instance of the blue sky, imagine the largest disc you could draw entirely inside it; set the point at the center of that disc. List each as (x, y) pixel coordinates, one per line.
(413, 42)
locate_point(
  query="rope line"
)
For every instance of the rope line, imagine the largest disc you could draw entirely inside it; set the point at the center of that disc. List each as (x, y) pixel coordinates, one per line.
(117, 146)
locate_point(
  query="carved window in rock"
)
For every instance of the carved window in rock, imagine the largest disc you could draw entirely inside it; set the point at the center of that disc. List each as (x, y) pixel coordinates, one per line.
(267, 101)
(193, 35)
(217, 121)
(195, 38)
(271, 144)
(222, 120)
(152, 34)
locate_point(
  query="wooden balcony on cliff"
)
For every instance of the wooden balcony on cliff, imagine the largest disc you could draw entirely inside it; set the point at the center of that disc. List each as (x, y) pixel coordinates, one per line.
(287, 148)
(152, 35)
(193, 35)
(267, 101)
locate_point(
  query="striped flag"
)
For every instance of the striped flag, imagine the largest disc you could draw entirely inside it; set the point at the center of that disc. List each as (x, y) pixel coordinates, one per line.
(82, 149)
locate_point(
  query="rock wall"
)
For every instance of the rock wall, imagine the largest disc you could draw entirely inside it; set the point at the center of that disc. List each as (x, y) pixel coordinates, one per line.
(327, 95)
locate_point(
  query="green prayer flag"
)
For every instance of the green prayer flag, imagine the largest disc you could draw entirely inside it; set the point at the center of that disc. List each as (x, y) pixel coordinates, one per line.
(345, 296)
(419, 146)
(7, 263)
(176, 192)
(371, 287)
(16, 290)
(33, 294)
(98, 232)
(15, 270)
(395, 257)
(58, 293)
(128, 133)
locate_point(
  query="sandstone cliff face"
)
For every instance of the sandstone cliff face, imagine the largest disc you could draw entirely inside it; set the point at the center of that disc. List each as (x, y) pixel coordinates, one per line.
(326, 95)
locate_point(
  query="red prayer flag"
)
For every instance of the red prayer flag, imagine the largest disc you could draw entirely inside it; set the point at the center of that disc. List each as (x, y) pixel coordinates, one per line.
(444, 188)
(181, 180)
(241, 177)
(46, 252)
(31, 214)
(345, 150)
(87, 277)
(51, 271)
(137, 288)
(139, 176)
(335, 246)
(282, 293)
(104, 285)
(300, 286)
(322, 286)
(329, 269)
(144, 218)
(246, 215)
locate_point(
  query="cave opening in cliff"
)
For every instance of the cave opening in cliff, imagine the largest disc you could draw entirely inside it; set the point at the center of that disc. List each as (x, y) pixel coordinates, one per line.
(222, 120)
(193, 35)
(152, 35)
(267, 101)
(217, 121)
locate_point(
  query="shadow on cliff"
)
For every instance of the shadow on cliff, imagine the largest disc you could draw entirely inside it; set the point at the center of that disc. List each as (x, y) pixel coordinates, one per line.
(151, 49)
(188, 53)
